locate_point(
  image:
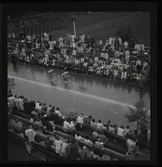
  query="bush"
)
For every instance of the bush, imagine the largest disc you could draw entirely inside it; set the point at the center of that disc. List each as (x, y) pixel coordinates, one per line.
(125, 32)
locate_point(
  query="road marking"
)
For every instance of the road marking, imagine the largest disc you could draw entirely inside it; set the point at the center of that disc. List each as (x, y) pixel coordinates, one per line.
(78, 93)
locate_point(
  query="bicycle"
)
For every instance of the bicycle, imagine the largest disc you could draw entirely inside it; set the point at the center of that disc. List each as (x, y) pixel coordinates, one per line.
(67, 83)
(51, 77)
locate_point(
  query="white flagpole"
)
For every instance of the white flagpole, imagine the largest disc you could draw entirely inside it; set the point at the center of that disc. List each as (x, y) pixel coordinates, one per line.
(74, 25)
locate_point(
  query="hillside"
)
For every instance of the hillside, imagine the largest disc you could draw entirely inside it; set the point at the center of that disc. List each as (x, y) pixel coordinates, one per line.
(98, 24)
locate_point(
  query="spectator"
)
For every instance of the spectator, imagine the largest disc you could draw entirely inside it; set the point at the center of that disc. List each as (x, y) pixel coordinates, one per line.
(74, 151)
(87, 141)
(71, 117)
(142, 138)
(44, 107)
(148, 139)
(71, 126)
(131, 146)
(126, 130)
(100, 125)
(120, 131)
(115, 128)
(111, 129)
(58, 143)
(48, 143)
(64, 148)
(95, 134)
(65, 124)
(16, 103)
(10, 108)
(58, 112)
(98, 143)
(108, 124)
(84, 154)
(48, 112)
(78, 137)
(79, 119)
(103, 138)
(37, 105)
(93, 124)
(21, 103)
(11, 99)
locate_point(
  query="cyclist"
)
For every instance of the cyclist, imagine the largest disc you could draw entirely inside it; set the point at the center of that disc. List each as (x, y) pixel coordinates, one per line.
(50, 72)
(65, 76)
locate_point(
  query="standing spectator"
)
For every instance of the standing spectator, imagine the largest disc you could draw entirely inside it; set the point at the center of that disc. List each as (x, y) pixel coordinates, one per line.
(131, 145)
(120, 131)
(93, 124)
(74, 150)
(37, 105)
(21, 103)
(65, 124)
(30, 133)
(10, 108)
(58, 144)
(115, 128)
(142, 138)
(48, 143)
(48, 112)
(11, 99)
(44, 107)
(64, 148)
(148, 139)
(84, 154)
(79, 120)
(108, 124)
(126, 130)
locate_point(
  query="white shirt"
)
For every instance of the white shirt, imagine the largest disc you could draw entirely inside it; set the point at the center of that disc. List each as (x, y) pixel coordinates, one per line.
(58, 113)
(120, 131)
(79, 119)
(65, 125)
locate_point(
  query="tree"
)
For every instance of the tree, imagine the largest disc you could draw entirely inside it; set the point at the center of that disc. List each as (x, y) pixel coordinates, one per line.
(126, 32)
(138, 115)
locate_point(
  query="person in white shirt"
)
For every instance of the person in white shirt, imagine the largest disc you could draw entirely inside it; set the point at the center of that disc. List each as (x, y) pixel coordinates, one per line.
(120, 131)
(65, 124)
(58, 112)
(78, 137)
(80, 119)
(58, 143)
(37, 105)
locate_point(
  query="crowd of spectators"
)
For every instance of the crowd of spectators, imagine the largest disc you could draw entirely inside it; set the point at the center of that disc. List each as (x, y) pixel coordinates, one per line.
(49, 116)
(113, 58)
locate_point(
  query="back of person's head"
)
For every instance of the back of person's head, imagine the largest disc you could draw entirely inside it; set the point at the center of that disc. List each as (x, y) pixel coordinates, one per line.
(93, 120)
(99, 121)
(40, 104)
(57, 108)
(127, 127)
(50, 105)
(90, 117)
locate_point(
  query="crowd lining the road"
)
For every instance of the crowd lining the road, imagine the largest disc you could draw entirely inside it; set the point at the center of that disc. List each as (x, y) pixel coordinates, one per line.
(49, 116)
(115, 59)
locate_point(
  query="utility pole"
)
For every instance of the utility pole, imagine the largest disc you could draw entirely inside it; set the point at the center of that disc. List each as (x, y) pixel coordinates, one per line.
(73, 18)
(22, 25)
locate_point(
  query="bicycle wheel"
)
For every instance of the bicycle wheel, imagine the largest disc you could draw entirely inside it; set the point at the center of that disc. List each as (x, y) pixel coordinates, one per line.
(69, 85)
(54, 77)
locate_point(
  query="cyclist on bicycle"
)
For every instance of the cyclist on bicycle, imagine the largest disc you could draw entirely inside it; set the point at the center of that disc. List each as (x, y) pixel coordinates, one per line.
(65, 76)
(50, 72)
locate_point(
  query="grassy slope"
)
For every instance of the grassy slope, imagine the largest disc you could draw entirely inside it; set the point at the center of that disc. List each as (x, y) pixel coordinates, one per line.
(100, 24)
(105, 24)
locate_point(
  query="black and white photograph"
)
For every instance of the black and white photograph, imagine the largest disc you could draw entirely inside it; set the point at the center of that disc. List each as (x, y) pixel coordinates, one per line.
(80, 83)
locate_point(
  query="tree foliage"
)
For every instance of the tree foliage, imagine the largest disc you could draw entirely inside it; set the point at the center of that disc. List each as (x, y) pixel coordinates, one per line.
(126, 32)
(139, 114)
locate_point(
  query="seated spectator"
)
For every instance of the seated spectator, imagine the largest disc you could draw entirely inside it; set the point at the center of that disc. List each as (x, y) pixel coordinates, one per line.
(100, 125)
(71, 126)
(98, 143)
(95, 134)
(93, 124)
(65, 124)
(32, 116)
(124, 75)
(111, 129)
(88, 141)
(78, 137)
(37, 105)
(120, 131)
(103, 138)
(86, 120)
(80, 119)
(58, 112)
(71, 117)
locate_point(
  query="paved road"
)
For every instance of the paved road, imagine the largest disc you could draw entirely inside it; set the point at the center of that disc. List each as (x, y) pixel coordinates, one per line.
(104, 99)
